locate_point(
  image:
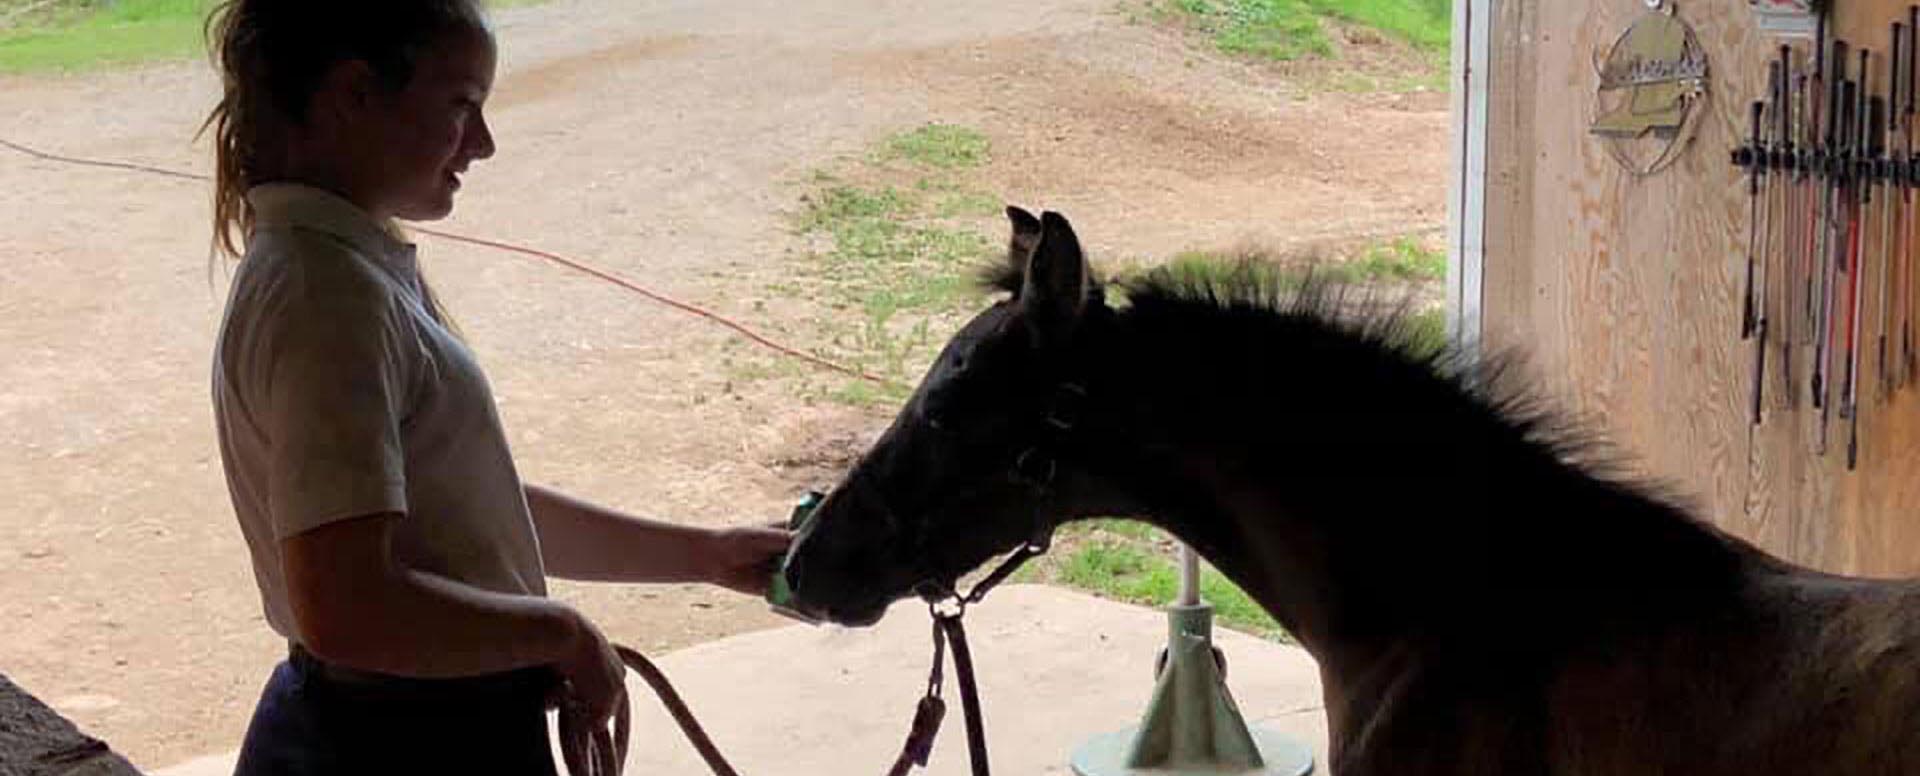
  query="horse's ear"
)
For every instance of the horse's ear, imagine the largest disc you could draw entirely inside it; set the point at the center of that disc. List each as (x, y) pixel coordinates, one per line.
(1026, 232)
(1026, 237)
(1053, 295)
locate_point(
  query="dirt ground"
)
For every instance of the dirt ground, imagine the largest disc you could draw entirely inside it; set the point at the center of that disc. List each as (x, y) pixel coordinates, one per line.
(666, 140)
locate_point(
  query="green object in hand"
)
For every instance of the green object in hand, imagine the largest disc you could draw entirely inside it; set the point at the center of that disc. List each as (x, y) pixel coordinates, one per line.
(778, 593)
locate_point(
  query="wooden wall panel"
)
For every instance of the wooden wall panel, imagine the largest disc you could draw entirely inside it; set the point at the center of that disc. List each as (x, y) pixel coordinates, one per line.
(1624, 292)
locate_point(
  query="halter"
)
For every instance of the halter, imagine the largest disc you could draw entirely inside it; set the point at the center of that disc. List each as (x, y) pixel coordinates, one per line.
(603, 753)
(1035, 467)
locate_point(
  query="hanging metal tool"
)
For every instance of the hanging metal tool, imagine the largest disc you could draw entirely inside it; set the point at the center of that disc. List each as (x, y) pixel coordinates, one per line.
(1848, 293)
(1834, 207)
(1845, 231)
(1891, 172)
(1866, 139)
(1753, 157)
(1769, 158)
(1874, 166)
(1818, 142)
(1903, 282)
(1830, 177)
(1800, 240)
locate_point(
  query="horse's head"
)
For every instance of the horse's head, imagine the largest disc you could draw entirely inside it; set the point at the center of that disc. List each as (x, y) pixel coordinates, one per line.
(959, 476)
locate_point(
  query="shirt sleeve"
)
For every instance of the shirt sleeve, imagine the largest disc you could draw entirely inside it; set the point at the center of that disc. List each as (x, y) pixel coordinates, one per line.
(336, 375)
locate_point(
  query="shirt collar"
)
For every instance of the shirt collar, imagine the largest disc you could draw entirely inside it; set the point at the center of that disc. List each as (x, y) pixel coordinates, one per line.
(300, 205)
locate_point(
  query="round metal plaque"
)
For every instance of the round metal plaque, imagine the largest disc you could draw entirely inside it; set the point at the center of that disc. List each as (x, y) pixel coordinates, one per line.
(1653, 83)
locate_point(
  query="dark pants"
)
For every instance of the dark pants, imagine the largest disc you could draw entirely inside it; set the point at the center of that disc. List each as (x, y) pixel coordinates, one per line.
(317, 720)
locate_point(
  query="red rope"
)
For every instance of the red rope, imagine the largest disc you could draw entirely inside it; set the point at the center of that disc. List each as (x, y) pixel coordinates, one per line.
(577, 266)
(685, 307)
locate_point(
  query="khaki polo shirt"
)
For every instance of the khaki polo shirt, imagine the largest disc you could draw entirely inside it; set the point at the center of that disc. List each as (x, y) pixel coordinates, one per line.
(337, 395)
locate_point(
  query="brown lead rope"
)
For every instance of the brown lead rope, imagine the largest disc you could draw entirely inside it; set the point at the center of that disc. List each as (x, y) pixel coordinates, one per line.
(969, 693)
(589, 752)
(597, 753)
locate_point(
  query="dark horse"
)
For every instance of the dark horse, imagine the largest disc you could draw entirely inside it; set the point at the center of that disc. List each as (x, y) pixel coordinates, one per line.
(1482, 594)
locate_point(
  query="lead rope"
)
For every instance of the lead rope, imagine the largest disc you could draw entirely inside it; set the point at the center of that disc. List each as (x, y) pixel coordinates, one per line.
(590, 752)
(598, 753)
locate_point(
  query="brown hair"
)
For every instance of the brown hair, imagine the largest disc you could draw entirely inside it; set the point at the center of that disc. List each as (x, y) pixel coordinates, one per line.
(272, 55)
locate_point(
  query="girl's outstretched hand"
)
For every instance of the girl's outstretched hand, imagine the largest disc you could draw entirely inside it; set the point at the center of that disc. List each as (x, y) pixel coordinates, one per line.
(744, 559)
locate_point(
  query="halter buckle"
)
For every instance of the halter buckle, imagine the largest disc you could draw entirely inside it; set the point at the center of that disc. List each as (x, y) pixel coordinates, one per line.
(1035, 468)
(1065, 412)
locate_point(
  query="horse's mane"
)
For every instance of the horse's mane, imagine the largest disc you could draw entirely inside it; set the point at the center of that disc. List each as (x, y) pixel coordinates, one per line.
(1259, 300)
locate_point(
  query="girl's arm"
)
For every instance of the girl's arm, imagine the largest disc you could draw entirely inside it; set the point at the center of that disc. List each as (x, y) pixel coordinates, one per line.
(586, 542)
(355, 606)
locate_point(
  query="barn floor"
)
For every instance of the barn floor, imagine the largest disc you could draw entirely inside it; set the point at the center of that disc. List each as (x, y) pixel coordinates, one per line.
(1055, 667)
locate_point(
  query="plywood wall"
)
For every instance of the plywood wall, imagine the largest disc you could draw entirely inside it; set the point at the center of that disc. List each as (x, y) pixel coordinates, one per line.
(1624, 292)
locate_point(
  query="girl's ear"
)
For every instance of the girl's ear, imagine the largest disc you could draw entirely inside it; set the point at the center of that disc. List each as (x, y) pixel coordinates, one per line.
(345, 92)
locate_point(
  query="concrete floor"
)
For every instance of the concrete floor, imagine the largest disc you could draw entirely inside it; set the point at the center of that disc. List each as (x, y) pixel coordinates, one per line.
(1055, 668)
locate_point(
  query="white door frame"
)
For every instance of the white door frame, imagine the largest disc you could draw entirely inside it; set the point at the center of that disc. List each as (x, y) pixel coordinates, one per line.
(1467, 187)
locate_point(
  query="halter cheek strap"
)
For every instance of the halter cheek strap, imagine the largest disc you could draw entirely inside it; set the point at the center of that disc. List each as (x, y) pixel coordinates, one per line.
(1036, 467)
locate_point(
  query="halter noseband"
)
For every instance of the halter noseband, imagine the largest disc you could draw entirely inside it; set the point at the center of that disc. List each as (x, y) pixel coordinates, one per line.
(1036, 467)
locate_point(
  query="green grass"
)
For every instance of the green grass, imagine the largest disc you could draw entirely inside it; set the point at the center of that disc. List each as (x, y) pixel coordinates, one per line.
(1401, 259)
(1427, 24)
(1294, 29)
(1429, 331)
(1127, 565)
(125, 32)
(1130, 529)
(896, 254)
(74, 35)
(944, 146)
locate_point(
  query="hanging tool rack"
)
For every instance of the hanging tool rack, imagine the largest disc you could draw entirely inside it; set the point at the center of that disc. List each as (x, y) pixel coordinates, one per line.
(1828, 300)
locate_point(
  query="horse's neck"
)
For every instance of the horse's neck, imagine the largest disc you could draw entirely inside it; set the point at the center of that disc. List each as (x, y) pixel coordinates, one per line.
(1450, 538)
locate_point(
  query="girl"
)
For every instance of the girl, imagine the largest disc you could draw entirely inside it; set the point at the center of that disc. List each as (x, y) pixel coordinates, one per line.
(394, 544)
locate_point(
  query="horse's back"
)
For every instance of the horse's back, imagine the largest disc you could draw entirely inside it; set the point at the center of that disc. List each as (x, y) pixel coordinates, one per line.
(1800, 673)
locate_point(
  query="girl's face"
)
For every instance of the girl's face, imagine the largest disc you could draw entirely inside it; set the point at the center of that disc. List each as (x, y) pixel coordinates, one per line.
(415, 143)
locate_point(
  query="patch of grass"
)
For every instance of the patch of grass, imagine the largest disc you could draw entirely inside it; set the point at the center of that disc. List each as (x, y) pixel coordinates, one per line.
(1207, 268)
(16, 15)
(1427, 24)
(75, 35)
(1284, 30)
(1403, 259)
(967, 204)
(96, 35)
(839, 204)
(860, 393)
(1121, 572)
(894, 257)
(945, 146)
(1429, 333)
(1127, 572)
(1127, 529)
(1267, 29)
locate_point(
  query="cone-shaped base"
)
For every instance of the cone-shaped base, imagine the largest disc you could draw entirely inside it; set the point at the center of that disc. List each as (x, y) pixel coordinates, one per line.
(1106, 755)
(1192, 724)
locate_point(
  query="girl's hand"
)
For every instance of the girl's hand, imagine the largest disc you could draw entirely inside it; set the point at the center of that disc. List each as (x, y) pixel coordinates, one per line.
(744, 559)
(595, 679)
